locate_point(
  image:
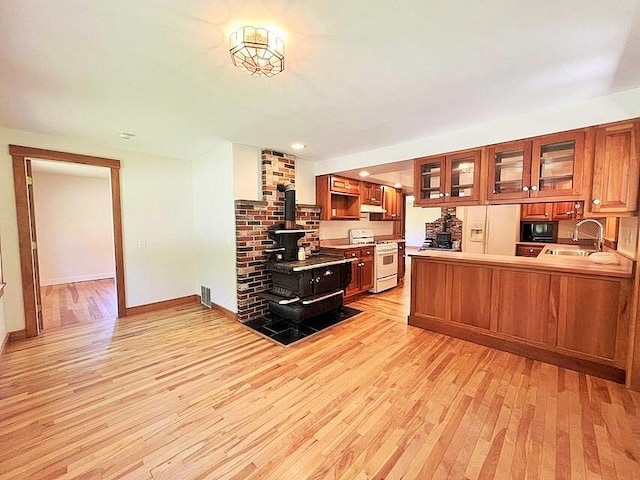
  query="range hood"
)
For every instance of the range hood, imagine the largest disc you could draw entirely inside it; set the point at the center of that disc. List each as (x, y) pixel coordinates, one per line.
(372, 209)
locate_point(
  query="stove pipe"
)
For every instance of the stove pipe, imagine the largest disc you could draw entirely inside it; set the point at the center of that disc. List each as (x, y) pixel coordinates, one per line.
(289, 205)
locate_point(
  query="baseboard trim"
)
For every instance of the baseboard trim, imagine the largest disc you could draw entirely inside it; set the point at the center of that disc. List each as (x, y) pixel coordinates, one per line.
(589, 367)
(227, 313)
(17, 335)
(152, 307)
(5, 340)
(78, 279)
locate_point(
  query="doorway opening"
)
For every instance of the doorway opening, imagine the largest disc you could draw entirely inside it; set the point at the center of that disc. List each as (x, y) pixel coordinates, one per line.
(28, 238)
(76, 261)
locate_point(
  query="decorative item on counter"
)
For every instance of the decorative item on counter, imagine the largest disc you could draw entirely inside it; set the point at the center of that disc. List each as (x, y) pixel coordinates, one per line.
(301, 254)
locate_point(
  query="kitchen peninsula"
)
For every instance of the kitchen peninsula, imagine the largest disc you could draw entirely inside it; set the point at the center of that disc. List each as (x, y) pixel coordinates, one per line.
(565, 310)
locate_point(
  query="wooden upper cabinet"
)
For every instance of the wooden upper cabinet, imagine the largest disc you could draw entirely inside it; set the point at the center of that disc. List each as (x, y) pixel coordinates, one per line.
(557, 163)
(546, 167)
(392, 198)
(509, 171)
(371, 194)
(452, 178)
(428, 183)
(345, 185)
(537, 211)
(336, 203)
(552, 211)
(615, 168)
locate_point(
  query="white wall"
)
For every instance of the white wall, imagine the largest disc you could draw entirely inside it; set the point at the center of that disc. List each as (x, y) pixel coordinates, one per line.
(332, 229)
(415, 218)
(75, 228)
(157, 206)
(247, 166)
(628, 236)
(214, 224)
(305, 182)
(605, 109)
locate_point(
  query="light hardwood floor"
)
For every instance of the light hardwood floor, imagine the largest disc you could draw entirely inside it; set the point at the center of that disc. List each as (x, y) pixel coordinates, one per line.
(186, 393)
(80, 302)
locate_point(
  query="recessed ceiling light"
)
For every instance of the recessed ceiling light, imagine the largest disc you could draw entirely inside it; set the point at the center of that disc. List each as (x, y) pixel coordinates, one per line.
(298, 146)
(397, 185)
(126, 135)
(364, 173)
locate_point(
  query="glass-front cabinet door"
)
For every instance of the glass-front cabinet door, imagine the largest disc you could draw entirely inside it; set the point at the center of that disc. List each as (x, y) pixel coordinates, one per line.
(556, 165)
(509, 171)
(429, 181)
(463, 177)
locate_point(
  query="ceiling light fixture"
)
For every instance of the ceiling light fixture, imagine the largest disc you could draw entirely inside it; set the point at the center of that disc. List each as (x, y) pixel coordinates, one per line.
(298, 146)
(257, 51)
(126, 136)
(364, 173)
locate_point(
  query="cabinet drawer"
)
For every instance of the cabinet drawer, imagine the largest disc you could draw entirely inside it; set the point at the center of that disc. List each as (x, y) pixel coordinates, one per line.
(353, 253)
(366, 252)
(528, 250)
(345, 185)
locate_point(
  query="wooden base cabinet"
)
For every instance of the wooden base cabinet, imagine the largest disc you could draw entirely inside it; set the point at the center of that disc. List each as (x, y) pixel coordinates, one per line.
(361, 269)
(575, 321)
(590, 320)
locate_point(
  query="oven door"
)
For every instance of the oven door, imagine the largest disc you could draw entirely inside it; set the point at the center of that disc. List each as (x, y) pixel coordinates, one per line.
(386, 264)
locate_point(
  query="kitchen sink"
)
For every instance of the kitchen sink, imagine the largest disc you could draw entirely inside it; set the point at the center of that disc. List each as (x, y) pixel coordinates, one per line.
(570, 252)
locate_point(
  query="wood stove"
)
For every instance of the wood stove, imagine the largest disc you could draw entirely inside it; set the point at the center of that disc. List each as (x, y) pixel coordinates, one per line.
(302, 289)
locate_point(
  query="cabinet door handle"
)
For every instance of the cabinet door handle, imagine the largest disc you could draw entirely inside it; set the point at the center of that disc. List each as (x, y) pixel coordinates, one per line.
(596, 201)
(447, 194)
(441, 195)
(525, 189)
(534, 188)
(546, 214)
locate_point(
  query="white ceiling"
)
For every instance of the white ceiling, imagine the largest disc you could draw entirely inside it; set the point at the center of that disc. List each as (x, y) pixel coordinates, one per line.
(359, 74)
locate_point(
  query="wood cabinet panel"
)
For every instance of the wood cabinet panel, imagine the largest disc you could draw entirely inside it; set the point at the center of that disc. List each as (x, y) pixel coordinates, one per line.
(450, 179)
(563, 211)
(527, 306)
(402, 258)
(572, 320)
(536, 211)
(557, 164)
(509, 170)
(345, 185)
(371, 194)
(615, 169)
(528, 250)
(366, 272)
(429, 294)
(337, 204)
(471, 295)
(589, 321)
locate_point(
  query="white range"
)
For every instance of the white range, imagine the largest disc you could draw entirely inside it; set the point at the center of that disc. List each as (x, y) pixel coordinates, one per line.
(385, 265)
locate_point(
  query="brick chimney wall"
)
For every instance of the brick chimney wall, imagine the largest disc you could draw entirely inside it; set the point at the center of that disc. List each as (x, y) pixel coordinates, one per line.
(252, 220)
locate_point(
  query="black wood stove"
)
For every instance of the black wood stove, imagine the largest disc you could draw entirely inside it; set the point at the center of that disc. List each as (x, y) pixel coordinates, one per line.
(302, 289)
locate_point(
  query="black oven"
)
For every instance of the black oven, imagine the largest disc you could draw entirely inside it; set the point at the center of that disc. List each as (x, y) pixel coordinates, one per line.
(542, 232)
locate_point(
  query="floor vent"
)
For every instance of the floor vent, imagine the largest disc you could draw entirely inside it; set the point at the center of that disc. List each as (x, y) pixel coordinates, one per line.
(205, 296)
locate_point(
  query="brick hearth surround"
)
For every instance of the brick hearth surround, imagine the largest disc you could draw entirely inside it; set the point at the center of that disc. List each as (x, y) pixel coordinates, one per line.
(252, 219)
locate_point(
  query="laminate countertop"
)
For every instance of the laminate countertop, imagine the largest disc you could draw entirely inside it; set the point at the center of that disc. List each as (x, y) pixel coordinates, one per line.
(623, 268)
(347, 246)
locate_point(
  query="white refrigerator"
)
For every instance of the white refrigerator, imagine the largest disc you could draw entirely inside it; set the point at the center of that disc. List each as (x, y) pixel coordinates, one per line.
(493, 229)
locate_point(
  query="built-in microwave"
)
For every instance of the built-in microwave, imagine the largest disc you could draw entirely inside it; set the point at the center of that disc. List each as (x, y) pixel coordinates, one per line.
(542, 232)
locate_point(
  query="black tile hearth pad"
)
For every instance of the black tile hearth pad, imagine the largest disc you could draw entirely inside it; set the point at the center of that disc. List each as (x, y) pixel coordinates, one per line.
(284, 332)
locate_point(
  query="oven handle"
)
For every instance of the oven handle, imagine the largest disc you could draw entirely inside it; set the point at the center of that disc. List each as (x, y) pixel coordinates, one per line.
(324, 297)
(288, 301)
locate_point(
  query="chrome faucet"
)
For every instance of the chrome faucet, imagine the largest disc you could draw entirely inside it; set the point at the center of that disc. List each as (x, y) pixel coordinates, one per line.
(599, 241)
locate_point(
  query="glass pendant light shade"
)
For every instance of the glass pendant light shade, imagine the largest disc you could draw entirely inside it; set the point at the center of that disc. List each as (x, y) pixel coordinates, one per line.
(257, 51)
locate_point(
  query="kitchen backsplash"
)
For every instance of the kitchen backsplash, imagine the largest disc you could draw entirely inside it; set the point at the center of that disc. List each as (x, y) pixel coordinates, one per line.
(331, 229)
